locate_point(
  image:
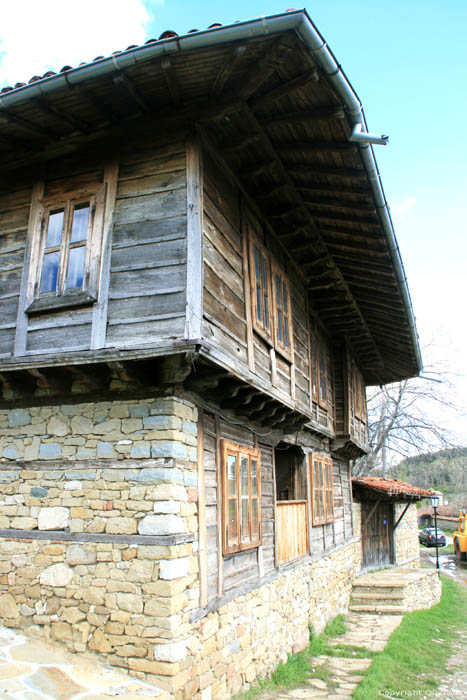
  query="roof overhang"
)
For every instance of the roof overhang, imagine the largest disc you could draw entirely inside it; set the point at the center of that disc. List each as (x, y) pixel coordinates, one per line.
(271, 102)
(369, 488)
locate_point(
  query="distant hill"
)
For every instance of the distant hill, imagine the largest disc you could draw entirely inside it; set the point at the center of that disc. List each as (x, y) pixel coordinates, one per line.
(444, 471)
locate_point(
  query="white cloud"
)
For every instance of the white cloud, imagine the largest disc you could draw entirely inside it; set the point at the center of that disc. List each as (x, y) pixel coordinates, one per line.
(402, 208)
(41, 35)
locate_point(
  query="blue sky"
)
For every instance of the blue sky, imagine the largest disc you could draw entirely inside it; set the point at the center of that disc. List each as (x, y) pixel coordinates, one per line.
(406, 61)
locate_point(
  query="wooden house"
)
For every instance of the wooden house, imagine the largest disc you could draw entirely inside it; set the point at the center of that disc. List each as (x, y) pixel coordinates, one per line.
(198, 278)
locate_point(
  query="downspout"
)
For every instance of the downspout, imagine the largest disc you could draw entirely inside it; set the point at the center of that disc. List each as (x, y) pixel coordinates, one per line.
(336, 76)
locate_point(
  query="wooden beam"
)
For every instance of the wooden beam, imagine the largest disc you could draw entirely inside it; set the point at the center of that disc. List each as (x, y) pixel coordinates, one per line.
(297, 83)
(124, 82)
(346, 218)
(315, 147)
(313, 189)
(338, 203)
(313, 169)
(171, 79)
(63, 116)
(56, 380)
(257, 75)
(258, 169)
(202, 533)
(21, 383)
(8, 117)
(194, 241)
(220, 553)
(239, 143)
(89, 96)
(92, 376)
(227, 68)
(306, 115)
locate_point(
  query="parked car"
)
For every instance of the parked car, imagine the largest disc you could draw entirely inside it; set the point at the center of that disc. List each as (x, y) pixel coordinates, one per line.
(429, 535)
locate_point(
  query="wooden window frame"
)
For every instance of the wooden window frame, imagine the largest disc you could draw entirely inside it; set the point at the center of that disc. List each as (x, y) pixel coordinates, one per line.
(358, 393)
(61, 298)
(236, 544)
(319, 367)
(282, 316)
(267, 290)
(322, 489)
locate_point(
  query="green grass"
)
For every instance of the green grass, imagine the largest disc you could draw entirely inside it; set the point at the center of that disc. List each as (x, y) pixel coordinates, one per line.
(298, 668)
(412, 660)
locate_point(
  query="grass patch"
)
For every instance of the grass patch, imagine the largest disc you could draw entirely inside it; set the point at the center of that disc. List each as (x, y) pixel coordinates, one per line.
(412, 660)
(298, 668)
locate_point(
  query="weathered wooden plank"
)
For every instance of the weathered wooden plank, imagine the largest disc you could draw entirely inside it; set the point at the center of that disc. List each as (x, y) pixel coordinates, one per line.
(148, 254)
(7, 339)
(151, 207)
(229, 321)
(145, 332)
(147, 280)
(132, 233)
(50, 339)
(35, 214)
(194, 264)
(165, 162)
(151, 184)
(101, 307)
(232, 346)
(146, 306)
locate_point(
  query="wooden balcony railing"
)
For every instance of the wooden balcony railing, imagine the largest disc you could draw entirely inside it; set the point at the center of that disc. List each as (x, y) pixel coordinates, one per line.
(291, 530)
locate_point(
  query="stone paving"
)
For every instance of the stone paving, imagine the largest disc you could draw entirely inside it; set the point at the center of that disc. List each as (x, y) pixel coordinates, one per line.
(343, 674)
(34, 669)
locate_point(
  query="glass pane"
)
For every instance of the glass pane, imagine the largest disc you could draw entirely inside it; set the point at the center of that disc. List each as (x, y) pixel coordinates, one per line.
(232, 528)
(245, 520)
(286, 332)
(254, 478)
(76, 262)
(254, 519)
(79, 230)
(284, 298)
(265, 272)
(278, 291)
(266, 310)
(259, 312)
(279, 326)
(232, 475)
(244, 475)
(54, 230)
(50, 272)
(257, 264)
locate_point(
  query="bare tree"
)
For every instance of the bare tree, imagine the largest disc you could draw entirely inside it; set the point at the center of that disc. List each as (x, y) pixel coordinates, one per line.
(408, 418)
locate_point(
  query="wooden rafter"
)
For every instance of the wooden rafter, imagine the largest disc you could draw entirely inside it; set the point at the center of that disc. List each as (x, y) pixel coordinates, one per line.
(124, 82)
(315, 147)
(8, 117)
(265, 67)
(63, 116)
(297, 83)
(171, 79)
(227, 68)
(338, 203)
(306, 115)
(311, 169)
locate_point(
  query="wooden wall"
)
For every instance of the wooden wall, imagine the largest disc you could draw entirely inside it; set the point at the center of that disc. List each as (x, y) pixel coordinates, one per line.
(227, 221)
(236, 572)
(145, 287)
(14, 215)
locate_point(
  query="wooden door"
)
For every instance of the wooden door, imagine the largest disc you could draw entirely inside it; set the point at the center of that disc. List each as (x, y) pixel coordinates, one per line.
(377, 534)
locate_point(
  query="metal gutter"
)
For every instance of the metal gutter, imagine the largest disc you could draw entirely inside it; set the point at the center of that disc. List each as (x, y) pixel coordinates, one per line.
(298, 21)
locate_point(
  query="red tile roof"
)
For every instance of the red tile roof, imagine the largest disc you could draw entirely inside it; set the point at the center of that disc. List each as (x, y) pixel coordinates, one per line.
(449, 511)
(393, 487)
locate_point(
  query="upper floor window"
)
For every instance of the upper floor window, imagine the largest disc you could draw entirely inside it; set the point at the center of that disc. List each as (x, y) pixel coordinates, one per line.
(241, 497)
(320, 370)
(270, 300)
(322, 489)
(65, 250)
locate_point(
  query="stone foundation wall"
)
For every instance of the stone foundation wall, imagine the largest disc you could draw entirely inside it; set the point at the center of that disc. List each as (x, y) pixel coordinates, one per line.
(249, 636)
(406, 545)
(424, 592)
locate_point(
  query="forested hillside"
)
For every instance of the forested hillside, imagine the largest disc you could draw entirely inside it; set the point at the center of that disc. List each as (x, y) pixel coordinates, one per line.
(444, 471)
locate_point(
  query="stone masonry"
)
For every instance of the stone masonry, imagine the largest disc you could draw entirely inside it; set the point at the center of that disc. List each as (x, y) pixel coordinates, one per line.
(406, 542)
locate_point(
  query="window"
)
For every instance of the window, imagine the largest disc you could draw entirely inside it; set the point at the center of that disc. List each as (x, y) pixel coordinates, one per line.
(282, 312)
(358, 393)
(319, 370)
(270, 300)
(322, 489)
(241, 501)
(65, 251)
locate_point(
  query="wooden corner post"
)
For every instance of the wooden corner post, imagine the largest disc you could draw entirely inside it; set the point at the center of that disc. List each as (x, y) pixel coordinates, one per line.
(194, 240)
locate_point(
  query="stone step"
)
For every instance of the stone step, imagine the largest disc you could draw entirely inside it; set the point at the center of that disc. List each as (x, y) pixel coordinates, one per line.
(376, 595)
(379, 609)
(380, 590)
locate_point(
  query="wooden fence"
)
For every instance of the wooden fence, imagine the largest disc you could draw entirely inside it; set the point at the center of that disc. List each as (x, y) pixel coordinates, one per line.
(292, 530)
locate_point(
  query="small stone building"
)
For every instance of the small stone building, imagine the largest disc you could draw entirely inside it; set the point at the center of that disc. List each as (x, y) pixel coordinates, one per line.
(198, 279)
(387, 515)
